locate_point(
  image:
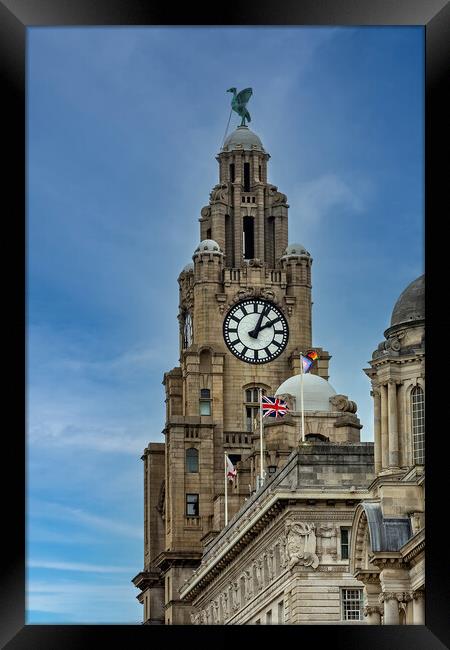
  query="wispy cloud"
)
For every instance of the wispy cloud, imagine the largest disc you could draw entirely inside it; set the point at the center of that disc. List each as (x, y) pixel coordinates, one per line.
(78, 516)
(83, 602)
(78, 566)
(317, 199)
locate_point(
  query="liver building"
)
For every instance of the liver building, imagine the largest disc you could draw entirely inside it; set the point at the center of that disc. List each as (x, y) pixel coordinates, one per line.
(335, 531)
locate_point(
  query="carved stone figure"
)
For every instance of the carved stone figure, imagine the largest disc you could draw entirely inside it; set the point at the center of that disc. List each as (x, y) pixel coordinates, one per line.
(205, 211)
(270, 564)
(301, 544)
(342, 403)
(327, 538)
(283, 551)
(235, 596)
(219, 193)
(275, 195)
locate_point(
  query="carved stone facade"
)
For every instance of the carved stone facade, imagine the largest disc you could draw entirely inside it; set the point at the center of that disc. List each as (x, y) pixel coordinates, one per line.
(284, 556)
(388, 544)
(281, 555)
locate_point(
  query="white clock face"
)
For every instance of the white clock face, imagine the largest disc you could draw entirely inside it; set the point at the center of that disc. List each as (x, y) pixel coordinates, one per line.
(255, 331)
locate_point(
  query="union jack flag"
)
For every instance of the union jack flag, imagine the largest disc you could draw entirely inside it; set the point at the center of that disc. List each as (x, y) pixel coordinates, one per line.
(273, 407)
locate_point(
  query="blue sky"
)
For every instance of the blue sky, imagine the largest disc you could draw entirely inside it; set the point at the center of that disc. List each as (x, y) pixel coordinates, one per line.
(123, 128)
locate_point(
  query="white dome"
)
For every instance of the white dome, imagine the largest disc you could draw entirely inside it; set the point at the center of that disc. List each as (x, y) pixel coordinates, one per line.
(316, 392)
(188, 267)
(295, 249)
(208, 245)
(243, 138)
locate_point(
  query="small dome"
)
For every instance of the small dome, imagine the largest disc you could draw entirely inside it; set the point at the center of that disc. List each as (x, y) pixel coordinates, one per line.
(316, 392)
(208, 246)
(188, 267)
(410, 306)
(242, 136)
(295, 250)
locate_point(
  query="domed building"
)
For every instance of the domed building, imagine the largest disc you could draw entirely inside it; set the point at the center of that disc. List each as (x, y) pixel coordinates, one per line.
(388, 544)
(301, 533)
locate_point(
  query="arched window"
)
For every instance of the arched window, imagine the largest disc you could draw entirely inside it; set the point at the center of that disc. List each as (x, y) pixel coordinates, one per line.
(192, 460)
(251, 404)
(418, 424)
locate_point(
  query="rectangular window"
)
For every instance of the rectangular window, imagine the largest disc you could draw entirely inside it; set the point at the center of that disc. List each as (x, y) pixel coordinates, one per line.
(345, 538)
(232, 172)
(281, 612)
(205, 401)
(205, 407)
(246, 177)
(351, 600)
(269, 617)
(192, 505)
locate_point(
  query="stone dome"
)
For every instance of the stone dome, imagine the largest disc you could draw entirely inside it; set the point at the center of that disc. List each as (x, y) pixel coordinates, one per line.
(316, 392)
(410, 306)
(188, 267)
(295, 250)
(242, 136)
(208, 246)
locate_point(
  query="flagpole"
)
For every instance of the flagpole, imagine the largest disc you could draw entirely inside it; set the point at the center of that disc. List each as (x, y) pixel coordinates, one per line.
(301, 397)
(226, 490)
(261, 437)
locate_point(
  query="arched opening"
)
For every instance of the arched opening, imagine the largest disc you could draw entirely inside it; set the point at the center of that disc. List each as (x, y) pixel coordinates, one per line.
(205, 361)
(192, 460)
(318, 437)
(248, 243)
(418, 424)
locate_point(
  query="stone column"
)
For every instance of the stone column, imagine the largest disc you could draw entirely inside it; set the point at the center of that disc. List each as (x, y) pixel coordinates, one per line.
(391, 611)
(372, 614)
(377, 428)
(419, 608)
(384, 428)
(393, 424)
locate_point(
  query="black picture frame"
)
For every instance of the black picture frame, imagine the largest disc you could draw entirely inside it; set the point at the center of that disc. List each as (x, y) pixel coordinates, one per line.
(15, 17)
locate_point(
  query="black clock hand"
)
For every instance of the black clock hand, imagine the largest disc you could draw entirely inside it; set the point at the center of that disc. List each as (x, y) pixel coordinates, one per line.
(254, 333)
(269, 323)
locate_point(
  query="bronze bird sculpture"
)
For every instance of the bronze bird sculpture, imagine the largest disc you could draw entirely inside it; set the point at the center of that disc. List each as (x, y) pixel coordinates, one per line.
(239, 103)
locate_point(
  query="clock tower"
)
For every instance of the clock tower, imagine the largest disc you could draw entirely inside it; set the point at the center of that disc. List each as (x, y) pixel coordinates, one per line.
(244, 316)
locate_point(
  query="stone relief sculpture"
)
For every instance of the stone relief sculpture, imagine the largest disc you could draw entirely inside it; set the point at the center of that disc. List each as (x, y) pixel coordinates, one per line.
(259, 577)
(235, 596)
(327, 542)
(270, 564)
(283, 552)
(301, 544)
(275, 195)
(342, 403)
(219, 193)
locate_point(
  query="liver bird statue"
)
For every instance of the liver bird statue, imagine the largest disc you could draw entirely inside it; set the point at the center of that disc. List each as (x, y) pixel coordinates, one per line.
(239, 103)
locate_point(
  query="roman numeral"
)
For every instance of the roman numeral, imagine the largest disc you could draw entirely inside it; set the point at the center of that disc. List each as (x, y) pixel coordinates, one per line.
(244, 310)
(234, 342)
(267, 351)
(276, 343)
(255, 354)
(276, 331)
(234, 318)
(244, 350)
(232, 329)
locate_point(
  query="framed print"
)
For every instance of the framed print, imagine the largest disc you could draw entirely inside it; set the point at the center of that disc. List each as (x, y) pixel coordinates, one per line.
(121, 156)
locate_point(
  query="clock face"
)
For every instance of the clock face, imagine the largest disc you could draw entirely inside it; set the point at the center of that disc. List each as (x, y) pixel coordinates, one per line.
(187, 330)
(255, 330)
